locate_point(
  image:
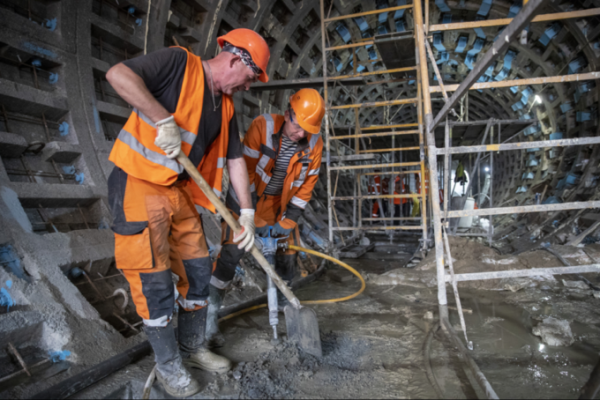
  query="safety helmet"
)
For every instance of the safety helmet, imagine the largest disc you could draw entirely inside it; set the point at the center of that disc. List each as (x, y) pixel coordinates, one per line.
(309, 107)
(253, 43)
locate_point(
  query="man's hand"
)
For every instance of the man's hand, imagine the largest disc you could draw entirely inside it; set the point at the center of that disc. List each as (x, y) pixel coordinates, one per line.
(168, 137)
(246, 238)
(283, 227)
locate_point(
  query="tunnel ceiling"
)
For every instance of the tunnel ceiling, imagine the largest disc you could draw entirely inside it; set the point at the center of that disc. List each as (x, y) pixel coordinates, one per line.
(76, 42)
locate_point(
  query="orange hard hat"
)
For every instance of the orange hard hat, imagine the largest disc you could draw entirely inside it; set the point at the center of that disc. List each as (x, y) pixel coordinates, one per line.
(253, 43)
(309, 107)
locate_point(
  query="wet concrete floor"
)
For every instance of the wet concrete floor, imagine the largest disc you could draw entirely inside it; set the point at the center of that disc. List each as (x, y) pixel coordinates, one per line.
(378, 346)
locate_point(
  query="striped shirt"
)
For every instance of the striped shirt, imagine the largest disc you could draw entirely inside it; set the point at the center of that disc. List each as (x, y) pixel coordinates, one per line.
(275, 186)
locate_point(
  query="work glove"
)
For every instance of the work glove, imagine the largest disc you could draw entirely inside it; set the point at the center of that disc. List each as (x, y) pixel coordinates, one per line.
(246, 237)
(283, 227)
(168, 137)
(262, 229)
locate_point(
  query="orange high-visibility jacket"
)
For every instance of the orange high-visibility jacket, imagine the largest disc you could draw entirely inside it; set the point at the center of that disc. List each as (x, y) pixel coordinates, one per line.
(375, 187)
(261, 146)
(135, 153)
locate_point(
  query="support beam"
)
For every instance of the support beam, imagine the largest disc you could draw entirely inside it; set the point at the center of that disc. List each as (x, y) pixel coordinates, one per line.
(380, 134)
(370, 73)
(379, 196)
(379, 228)
(519, 146)
(376, 104)
(351, 158)
(316, 83)
(524, 209)
(499, 46)
(484, 276)
(505, 21)
(372, 12)
(371, 166)
(522, 82)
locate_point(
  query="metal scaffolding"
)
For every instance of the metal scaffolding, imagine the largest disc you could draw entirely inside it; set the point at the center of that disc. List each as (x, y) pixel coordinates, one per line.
(441, 219)
(425, 128)
(360, 133)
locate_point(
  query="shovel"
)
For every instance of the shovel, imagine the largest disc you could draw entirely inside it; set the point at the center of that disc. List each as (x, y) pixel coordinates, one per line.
(301, 322)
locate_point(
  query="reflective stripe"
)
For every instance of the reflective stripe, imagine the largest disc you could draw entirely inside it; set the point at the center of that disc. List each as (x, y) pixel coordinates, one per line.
(186, 136)
(270, 129)
(302, 176)
(253, 188)
(313, 141)
(298, 202)
(144, 117)
(162, 321)
(217, 192)
(314, 172)
(263, 175)
(262, 164)
(219, 284)
(250, 152)
(191, 304)
(221, 162)
(297, 183)
(148, 154)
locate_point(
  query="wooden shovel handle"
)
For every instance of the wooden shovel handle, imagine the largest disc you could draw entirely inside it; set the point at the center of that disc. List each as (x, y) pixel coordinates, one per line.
(237, 229)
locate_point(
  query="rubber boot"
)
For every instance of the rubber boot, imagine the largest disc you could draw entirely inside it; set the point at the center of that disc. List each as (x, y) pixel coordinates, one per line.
(214, 337)
(170, 372)
(192, 327)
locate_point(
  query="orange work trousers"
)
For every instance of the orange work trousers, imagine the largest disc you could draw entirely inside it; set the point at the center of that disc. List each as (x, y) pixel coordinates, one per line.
(268, 209)
(158, 231)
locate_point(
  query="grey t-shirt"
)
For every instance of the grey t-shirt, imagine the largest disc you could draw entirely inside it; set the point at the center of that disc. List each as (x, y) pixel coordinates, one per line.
(162, 71)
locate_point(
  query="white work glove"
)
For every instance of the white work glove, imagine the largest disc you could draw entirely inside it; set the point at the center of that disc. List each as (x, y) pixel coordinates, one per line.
(247, 236)
(168, 137)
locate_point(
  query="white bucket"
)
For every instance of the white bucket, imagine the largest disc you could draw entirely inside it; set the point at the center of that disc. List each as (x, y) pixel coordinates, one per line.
(467, 222)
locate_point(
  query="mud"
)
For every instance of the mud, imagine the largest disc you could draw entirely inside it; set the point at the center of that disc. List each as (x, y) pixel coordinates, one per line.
(286, 372)
(382, 344)
(470, 255)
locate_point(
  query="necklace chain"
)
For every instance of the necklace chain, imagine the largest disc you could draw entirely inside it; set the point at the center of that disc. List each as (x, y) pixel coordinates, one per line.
(212, 86)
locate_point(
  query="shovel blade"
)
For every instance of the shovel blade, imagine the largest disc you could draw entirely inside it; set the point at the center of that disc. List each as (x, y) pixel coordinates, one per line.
(303, 328)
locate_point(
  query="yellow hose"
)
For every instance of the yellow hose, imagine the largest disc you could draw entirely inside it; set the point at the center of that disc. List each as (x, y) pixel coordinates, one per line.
(325, 256)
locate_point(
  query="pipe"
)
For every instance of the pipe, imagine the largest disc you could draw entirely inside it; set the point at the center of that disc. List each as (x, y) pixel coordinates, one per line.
(94, 374)
(427, 358)
(262, 299)
(256, 305)
(464, 353)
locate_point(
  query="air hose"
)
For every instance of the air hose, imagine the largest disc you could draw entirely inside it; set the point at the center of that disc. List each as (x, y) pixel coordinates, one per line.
(326, 257)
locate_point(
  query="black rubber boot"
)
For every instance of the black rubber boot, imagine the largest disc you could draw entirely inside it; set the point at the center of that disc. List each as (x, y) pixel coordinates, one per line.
(214, 337)
(192, 327)
(170, 372)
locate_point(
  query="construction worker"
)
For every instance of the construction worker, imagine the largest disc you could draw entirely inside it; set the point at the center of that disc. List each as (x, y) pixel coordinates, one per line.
(283, 155)
(397, 201)
(180, 104)
(401, 205)
(375, 190)
(385, 189)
